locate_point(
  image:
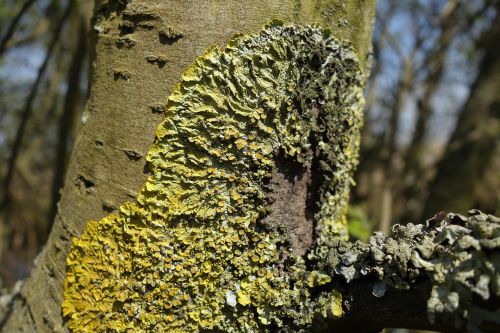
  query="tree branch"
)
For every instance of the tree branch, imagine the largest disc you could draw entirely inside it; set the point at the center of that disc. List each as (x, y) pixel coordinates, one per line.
(442, 276)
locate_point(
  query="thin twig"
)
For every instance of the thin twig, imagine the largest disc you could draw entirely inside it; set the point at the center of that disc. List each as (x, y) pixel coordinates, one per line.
(13, 25)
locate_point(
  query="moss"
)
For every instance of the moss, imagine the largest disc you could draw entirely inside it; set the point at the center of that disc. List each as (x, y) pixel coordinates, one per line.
(191, 254)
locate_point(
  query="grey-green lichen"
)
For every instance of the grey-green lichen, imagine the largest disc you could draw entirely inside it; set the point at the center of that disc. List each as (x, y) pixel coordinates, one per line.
(191, 254)
(460, 255)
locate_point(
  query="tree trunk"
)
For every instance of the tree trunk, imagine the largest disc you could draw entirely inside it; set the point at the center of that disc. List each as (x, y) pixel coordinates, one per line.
(139, 51)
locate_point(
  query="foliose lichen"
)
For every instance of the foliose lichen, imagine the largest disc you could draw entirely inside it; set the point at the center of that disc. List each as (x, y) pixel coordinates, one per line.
(191, 254)
(460, 255)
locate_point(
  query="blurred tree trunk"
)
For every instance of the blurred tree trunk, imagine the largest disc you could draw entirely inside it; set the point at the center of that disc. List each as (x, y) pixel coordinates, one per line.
(475, 140)
(25, 116)
(424, 106)
(24, 223)
(138, 54)
(78, 28)
(414, 172)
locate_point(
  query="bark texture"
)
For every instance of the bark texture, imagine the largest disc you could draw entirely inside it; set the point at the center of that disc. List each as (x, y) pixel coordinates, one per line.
(140, 50)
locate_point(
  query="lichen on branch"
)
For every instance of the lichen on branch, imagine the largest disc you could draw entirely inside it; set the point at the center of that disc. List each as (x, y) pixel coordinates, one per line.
(459, 255)
(191, 254)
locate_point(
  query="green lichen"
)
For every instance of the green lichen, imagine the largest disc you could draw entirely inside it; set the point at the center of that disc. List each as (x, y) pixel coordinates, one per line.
(191, 254)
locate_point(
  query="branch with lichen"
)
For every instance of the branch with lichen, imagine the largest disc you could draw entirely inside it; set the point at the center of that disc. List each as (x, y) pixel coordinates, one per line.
(208, 245)
(442, 276)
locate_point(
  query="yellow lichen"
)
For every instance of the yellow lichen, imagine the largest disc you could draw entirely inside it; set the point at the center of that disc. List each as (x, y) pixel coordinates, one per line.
(192, 244)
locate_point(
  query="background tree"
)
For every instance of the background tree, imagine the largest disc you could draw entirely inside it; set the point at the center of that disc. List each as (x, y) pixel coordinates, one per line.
(473, 148)
(43, 74)
(426, 56)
